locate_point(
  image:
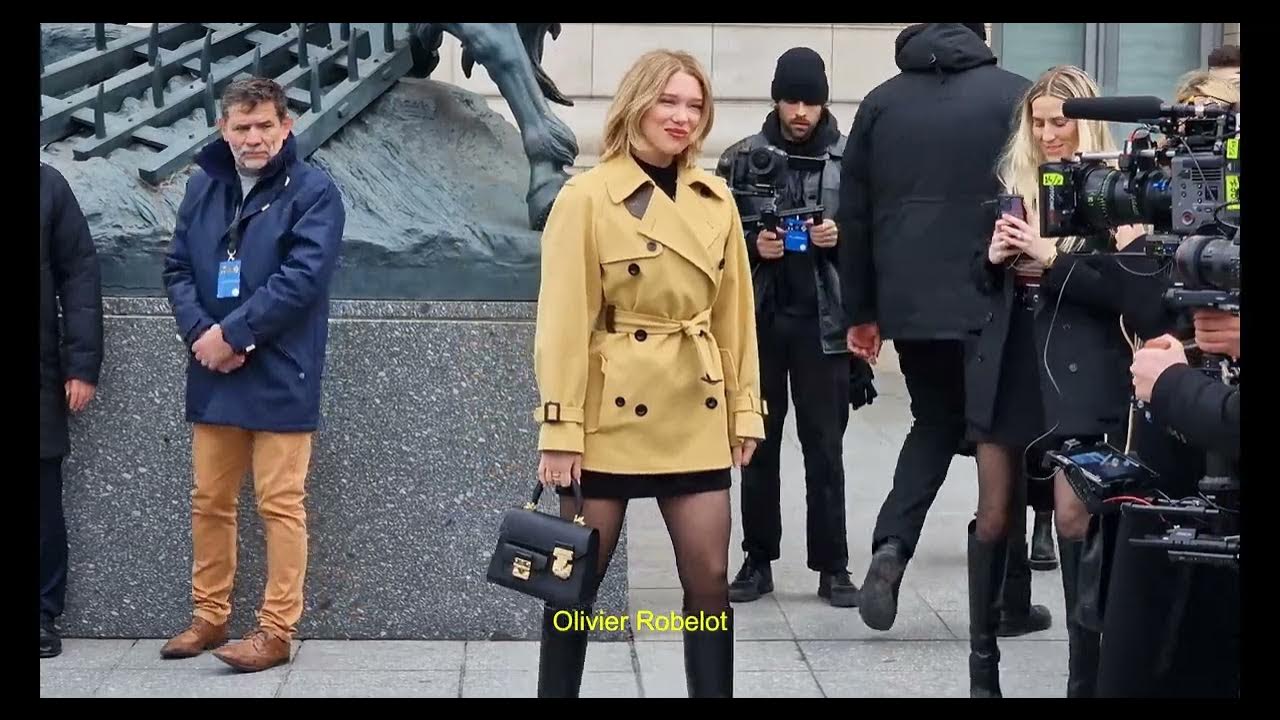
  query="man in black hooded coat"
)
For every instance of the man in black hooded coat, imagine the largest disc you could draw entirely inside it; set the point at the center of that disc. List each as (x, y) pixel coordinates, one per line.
(919, 172)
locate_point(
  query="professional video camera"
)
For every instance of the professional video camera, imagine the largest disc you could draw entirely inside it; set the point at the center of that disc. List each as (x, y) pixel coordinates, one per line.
(1188, 189)
(761, 172)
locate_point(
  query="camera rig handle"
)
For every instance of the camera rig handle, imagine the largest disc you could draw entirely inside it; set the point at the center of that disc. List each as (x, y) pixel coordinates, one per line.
(771, 217)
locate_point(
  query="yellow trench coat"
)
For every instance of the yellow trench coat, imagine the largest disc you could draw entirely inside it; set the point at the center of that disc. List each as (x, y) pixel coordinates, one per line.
(645, 350)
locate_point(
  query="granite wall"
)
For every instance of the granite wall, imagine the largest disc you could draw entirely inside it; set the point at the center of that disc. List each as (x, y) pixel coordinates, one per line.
(427, 440)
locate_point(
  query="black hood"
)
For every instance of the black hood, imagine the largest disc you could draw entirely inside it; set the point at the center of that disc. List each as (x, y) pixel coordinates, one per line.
(946, 47)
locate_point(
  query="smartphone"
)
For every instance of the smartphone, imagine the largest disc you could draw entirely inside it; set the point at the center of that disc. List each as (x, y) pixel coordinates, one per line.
(796, 237)
(1013, 205)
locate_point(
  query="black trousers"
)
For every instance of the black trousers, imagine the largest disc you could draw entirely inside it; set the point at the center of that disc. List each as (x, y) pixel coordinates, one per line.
(1170, 629)
(934, 373)
(790, 347)
(53, 539)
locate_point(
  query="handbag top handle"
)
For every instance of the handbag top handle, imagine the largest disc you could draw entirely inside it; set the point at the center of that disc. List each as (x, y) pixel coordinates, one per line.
(577, 494)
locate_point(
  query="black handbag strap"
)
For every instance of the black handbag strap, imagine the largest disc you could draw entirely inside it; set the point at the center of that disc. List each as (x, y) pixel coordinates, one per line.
(577, 494)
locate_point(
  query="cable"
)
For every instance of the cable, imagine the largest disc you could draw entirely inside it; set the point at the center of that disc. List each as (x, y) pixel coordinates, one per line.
(1168, 264)
(1133, 348)
(1128, 498)
(1048, 337)
(1216, 506)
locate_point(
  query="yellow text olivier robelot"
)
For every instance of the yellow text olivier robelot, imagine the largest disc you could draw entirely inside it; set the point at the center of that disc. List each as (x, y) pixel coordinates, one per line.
(645, 620)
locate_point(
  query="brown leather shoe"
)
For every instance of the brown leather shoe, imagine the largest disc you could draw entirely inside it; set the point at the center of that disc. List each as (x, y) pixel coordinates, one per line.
(259, 650)
(200, 636)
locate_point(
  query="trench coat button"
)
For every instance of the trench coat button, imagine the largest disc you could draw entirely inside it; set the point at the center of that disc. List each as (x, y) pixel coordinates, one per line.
(652, 246)
(634, 269)
(711, 403)
(620, 401)
(1073, 367)
(641, 410)
(988, 318)
(641, 335)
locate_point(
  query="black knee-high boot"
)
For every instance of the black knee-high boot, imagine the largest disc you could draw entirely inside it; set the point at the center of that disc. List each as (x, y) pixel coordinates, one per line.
(1082, 644)
(986, 575)
(1017, 615)
(708, 655)
(562, 654)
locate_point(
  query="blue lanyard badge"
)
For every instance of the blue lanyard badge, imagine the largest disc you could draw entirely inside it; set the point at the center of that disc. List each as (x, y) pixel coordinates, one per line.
(229, 279)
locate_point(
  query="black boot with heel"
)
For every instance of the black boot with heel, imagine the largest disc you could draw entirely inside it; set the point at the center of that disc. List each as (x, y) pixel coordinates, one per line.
(708, 656)
(1082, 643)
(1017, 615)
(1042, 557)
(561, 656)
(986, 576)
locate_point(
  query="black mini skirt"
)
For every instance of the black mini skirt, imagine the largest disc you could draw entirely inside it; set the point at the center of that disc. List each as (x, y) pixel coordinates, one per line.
(628, 486)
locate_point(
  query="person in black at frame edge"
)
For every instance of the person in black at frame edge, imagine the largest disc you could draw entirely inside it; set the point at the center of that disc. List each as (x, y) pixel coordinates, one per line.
(1171, 629)
(71, 349)
(919, 165)
(801, 328)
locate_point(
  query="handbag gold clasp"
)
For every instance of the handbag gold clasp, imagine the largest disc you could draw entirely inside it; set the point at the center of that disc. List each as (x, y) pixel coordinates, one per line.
(563, 565)
(520, 568)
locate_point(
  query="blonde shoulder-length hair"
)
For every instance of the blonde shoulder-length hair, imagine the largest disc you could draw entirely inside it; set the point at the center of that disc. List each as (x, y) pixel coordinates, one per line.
(1019, 164)
(1204, 85)
(639, 91)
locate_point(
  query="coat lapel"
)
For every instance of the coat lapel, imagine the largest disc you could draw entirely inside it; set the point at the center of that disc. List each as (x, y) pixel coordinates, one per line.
(682, 225)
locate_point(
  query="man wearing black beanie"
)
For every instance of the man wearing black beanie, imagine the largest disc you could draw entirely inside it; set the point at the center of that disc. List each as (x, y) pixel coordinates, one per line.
(800, 325)
(918, 175)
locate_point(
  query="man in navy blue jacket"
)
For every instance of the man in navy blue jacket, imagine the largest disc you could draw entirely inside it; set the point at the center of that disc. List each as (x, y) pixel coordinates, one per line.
(258, 236)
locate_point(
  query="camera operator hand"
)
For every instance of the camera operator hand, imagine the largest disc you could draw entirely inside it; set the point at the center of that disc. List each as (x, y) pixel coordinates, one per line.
(1218, 332)
(1126, 234)
(1156, 356)
(768, 244)
(824, 234)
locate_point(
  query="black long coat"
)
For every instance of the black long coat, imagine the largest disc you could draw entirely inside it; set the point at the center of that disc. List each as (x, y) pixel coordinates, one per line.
(919, 163)
(1078, 319)
(70, 346)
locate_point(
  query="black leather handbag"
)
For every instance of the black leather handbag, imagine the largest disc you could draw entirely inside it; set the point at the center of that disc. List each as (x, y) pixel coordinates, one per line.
(546, 556)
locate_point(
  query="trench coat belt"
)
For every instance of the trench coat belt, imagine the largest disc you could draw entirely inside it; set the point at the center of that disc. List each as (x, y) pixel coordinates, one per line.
(697, 328)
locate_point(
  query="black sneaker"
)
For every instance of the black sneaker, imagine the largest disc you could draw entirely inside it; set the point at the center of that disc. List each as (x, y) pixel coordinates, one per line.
(753, 580)
(50, 642)
(838, 589)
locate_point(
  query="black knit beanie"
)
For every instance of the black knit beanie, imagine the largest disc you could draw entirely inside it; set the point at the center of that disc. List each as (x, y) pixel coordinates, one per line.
(801, 75)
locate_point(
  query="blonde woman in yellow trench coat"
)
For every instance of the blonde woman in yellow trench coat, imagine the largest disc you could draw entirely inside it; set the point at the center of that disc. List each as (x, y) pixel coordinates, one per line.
(645, 354)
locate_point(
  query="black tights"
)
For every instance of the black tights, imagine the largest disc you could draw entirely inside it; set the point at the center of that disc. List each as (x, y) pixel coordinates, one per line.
(699, 529)
(999, 467)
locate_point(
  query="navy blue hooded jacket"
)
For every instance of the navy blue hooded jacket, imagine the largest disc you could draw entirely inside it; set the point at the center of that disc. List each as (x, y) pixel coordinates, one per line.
(291, 228)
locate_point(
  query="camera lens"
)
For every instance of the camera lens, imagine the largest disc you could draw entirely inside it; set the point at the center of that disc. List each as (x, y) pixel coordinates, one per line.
(1208, 262)
(767, 164)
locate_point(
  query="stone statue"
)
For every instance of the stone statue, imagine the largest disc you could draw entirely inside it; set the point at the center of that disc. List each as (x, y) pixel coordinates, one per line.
(445, 199)
(512, 54)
